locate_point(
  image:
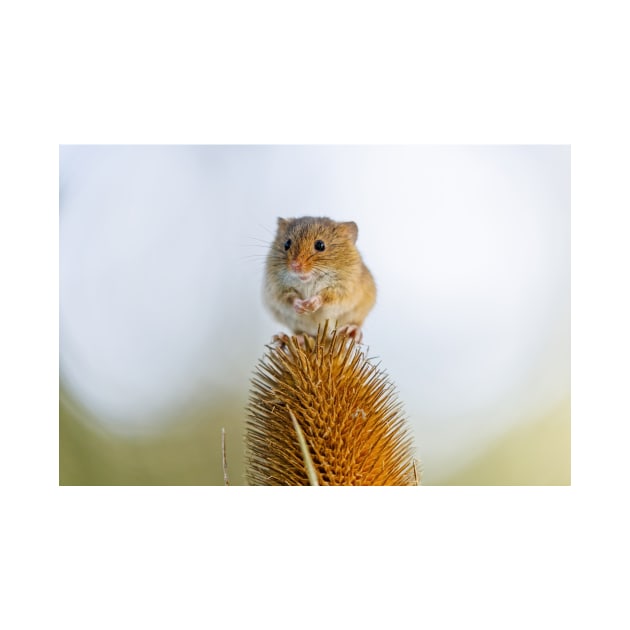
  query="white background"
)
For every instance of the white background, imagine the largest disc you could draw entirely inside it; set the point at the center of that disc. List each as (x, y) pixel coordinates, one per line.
(202, 557)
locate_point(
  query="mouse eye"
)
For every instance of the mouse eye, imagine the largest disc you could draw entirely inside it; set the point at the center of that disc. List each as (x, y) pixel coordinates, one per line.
(320, 246)
(287, 244)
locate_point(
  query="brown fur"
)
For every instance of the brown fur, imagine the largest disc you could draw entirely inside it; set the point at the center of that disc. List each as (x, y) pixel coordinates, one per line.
(305, 287)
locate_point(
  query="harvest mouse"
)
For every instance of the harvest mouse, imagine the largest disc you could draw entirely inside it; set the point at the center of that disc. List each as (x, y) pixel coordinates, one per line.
(314, 272)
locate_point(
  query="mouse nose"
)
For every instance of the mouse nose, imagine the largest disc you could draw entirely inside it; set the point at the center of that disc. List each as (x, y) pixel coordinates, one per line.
(296, 266)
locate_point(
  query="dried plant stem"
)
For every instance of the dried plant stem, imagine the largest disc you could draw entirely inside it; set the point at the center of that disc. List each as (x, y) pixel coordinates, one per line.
(226, 479)
(308, 460)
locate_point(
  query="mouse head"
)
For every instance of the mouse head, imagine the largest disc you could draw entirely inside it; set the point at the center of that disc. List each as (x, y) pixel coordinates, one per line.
(310, 246)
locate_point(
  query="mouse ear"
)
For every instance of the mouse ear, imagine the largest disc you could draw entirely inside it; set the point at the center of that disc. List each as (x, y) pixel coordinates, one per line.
(351, 229)
(282, 223)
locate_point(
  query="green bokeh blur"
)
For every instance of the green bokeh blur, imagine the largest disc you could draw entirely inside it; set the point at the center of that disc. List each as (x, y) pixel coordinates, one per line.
(536, 453)
(184, 450)
(187, 450)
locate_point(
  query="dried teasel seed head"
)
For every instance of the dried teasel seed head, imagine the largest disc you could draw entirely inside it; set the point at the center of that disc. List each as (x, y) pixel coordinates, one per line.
(351, 430)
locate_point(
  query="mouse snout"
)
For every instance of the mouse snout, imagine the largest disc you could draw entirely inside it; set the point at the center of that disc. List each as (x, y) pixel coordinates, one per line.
(296, 266)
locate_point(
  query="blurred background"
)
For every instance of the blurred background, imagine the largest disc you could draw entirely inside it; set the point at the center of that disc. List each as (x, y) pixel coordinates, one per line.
(162, 251)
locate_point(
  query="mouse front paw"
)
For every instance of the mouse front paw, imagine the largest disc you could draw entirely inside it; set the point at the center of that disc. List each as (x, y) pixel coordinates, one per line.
(307, 306)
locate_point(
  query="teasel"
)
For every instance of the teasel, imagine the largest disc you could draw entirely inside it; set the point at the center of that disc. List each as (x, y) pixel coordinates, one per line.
(321, 413)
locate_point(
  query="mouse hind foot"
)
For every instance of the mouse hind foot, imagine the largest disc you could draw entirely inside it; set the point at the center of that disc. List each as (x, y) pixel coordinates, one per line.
(351, 330)
(282, 340)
